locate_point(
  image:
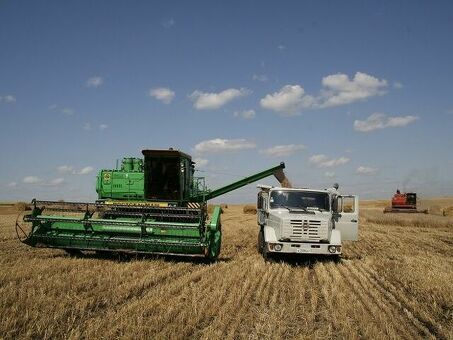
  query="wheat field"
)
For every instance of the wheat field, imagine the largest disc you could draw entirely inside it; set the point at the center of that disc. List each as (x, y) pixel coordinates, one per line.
(395, 282)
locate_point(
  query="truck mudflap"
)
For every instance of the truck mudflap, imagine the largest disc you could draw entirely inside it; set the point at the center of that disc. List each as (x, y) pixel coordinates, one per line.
(317, 248)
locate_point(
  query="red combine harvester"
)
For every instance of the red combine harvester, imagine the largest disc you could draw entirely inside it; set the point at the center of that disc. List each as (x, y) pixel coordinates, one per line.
(404, 203)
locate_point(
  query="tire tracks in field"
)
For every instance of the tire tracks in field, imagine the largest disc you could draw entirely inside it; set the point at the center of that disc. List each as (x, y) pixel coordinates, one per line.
(181, 280)
(401, 302)
(393, 307)
(245, 307)
(209, 300)
(373, 304)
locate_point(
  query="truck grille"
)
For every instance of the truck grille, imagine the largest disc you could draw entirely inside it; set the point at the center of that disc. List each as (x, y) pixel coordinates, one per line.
(306, 230)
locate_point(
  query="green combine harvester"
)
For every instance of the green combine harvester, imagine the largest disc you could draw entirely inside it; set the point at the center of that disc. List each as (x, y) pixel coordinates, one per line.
(151, 205)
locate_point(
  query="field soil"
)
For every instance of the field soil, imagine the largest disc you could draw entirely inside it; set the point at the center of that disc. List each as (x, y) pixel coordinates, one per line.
(395, 282)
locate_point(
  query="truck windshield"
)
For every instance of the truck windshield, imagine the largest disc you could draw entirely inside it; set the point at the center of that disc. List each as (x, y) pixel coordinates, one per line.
(299, 200)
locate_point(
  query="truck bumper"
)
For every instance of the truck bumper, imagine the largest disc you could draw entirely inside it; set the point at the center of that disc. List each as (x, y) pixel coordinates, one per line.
(303, 248)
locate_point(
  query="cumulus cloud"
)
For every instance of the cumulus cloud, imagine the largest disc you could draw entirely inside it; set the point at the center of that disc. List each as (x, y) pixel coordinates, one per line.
(164, 94)
(219, 145)
(65, 169)
(32, 180)
(56, 182)
(397, 85)
(365, 170)
(260, 77)
(378, 121)
(168, 23)
(289, 101)
(8, 98)
(87, 126)
(329, 174)
(282, 150)
(67, 111)
(338, 89)
(102, 127)
(322, 161)
(246, 114)
(94, 82)
(12, 184)
(214, 101)
(200, 162)
(84, 171)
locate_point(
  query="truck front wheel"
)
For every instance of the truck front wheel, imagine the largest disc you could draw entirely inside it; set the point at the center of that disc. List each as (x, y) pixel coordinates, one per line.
(260, 245)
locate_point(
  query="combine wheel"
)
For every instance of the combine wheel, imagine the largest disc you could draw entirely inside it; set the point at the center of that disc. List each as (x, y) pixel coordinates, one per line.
(215, 242)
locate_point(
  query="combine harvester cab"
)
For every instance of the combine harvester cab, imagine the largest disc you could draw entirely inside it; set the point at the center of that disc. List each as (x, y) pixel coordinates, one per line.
(153, 206)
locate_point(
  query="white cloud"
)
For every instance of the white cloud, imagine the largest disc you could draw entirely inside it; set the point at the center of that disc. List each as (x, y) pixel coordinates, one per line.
(87, 126)
(84, 171)
(246, 114)
(168, 23)
(200, 162)
(12, 184)
(397, 85)
(102, 127)
(283, 150)
(65, 169)
(32, 180)
(56, 182)
(260, 77)
(289, 101)
(281, 47)
(94, 82)
(165, 95)
(213, 101)
(9, 98)
(337, 89)
(219, 145)
(67, 111)
(53, 107)
(365, 170)
(329, 174)
(381, 121)
(322, 161)
(340, 90)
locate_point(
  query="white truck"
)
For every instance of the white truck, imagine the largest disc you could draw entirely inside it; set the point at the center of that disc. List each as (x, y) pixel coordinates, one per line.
(305, 221)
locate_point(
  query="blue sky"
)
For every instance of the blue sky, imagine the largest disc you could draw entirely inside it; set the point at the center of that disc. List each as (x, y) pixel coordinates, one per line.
(355, 92)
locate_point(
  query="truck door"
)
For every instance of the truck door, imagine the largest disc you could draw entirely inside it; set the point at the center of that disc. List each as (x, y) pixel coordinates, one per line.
(348, 221)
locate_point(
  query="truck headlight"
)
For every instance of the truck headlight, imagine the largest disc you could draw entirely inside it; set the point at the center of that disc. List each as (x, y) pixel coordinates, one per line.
(278, 247)
(332, 249)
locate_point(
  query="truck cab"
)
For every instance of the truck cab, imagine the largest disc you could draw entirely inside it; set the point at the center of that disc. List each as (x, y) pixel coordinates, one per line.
(305, 221)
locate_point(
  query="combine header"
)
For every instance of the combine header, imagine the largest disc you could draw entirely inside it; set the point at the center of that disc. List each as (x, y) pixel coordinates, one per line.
(155, 205)
(404, 203)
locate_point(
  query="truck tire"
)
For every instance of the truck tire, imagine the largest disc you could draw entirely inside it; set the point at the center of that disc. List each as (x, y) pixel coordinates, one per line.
(260, 244)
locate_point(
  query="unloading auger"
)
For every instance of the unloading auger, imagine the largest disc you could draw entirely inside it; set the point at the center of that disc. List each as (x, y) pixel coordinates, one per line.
(151, 205)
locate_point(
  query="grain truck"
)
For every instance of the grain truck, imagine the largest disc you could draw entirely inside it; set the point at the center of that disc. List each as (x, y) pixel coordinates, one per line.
(305, 221)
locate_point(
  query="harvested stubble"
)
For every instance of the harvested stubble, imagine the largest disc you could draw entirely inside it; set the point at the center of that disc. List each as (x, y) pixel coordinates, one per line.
(448, 211)
(249, 209)
(395, 282)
